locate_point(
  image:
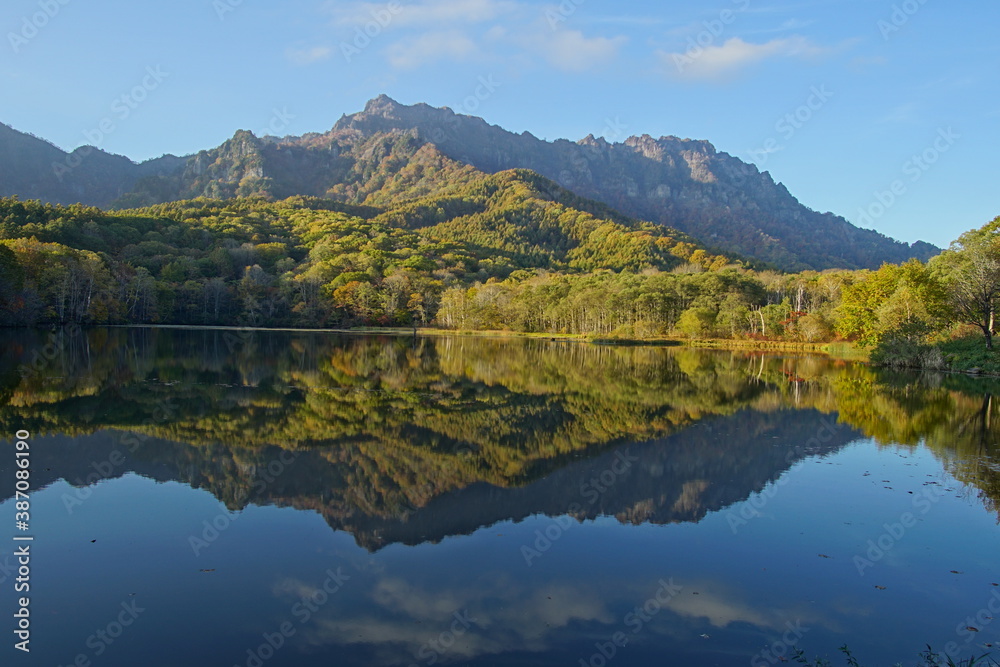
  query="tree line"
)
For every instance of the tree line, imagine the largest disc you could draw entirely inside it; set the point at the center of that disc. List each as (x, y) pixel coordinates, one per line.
(496, 254)
(303, 261)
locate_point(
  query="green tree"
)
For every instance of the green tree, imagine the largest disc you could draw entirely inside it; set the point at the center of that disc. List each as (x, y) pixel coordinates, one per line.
(11, 284)
(971, 269)
(696, 322)
(882, 301)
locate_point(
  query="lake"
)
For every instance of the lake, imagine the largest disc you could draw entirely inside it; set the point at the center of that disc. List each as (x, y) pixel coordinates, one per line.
(240, 498)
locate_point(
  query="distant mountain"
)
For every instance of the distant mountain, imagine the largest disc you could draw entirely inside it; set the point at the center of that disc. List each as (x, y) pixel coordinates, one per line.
(35, 169)
(392, 153)
(689, 185)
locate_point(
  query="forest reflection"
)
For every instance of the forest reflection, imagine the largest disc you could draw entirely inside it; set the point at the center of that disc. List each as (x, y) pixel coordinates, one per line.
(407, 439)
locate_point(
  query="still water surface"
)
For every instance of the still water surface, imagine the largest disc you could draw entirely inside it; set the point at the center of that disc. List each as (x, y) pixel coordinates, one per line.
(218, 498)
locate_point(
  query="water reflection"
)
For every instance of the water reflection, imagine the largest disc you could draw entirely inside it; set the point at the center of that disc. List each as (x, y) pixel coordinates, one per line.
(400, 439)
(493, 502)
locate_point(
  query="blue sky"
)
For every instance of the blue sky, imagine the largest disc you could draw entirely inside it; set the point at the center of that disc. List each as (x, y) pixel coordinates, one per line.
(886, 112)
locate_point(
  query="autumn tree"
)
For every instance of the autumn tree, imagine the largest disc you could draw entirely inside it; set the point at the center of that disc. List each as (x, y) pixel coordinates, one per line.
(971, 269)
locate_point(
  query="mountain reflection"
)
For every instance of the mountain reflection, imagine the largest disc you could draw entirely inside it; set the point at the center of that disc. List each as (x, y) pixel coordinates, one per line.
(407, 440)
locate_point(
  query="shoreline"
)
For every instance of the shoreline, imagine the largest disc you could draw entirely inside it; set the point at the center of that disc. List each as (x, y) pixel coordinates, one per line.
(843, 350)
(836, 349)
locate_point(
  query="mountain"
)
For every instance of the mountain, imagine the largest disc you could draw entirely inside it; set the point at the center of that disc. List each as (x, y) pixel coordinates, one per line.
(392, 153)
(35, 169)
(689, 185)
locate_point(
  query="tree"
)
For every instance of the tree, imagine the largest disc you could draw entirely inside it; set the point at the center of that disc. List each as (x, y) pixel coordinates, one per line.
(11, 282)
(696, 322)
(814, 328)
(972, 269)
(895, 296)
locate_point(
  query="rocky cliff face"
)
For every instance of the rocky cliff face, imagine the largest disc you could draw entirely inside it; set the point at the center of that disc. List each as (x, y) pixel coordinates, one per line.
(685, 184)
(724, 202)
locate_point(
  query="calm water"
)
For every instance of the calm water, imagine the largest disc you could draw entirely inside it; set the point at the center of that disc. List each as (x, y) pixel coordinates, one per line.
(216, 498)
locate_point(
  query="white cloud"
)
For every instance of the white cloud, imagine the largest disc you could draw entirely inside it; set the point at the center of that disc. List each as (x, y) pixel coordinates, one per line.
(429, 31)
(399, 626)
(427, 13)
(430, 47)
(308, 55)
(572, 51)
(718, 62)
(435, 12)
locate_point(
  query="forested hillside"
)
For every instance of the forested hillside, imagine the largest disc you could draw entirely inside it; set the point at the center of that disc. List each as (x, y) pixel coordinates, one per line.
(686, 184)
(511, 250)
(311, 262)
(391, 153)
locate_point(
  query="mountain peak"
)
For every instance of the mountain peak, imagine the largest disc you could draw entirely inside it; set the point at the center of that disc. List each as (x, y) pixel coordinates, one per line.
(684, 184)
(591, 140)
(382, 105)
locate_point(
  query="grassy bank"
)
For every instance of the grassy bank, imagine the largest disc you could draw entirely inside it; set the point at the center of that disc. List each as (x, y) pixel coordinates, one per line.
(838, 349)
(968, 354)
(964, 354)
